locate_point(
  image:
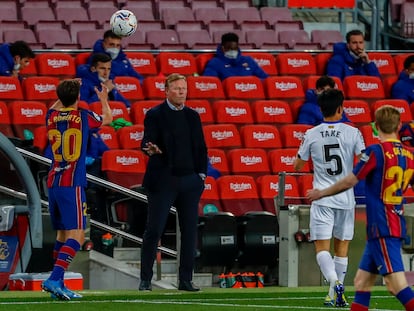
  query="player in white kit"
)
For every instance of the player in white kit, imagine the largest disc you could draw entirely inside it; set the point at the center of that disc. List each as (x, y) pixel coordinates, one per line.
(331, 146)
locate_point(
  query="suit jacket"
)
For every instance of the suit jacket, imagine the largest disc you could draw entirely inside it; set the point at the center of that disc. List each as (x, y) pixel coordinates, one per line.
(158, 130)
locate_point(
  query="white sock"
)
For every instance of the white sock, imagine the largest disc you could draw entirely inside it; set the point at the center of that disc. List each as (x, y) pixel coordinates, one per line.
(327, 266)
(341, 265)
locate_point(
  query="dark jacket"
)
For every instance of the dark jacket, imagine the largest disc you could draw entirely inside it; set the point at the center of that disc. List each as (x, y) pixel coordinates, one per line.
(158, 131)
(342, 64)
(403, 88)
(121, 65)
(223, 67)
(90, 80)
(310, 113)
(6, 60)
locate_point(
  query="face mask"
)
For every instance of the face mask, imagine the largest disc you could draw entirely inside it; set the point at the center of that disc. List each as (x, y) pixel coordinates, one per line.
(113, 52)
(16, 66)
(102, 79)
(353, 55)
(411, 75)
(232, 54)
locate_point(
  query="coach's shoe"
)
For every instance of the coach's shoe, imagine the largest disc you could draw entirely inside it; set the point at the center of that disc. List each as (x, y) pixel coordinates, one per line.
(188, 286)
(55, 288)
(340, 300)
(145, 285)
(329, 301)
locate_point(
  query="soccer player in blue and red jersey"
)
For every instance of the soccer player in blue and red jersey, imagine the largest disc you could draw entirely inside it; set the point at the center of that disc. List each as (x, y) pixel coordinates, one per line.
(68, 132)
(388, 169)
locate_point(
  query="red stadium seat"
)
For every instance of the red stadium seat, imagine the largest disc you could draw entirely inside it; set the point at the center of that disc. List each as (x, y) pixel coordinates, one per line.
(388, 83)
(201, 60)
(310, 82)
(298, 64)
(118, 109)
(248, 161)
(283, 87)
(5, 123)
(10, 88)
(281, 160)
(384, 61)
(124, 166)
(55, 64)
(232, 111)
(154, 87)
(363, 87)
(82, 58)
(143, 62)
(40, 88)
(272, 111)
(203, 107)
(40, 140)
(238, 194)
(129, 87)
(140, 108)
(399, 61)
(209, 197)
(109, 137)
(203, 87)
(265, 60)
(401, 105)
(174, 62)
(321, 60)
(305, 183)
(130, 137)
(368, 134)
(222, 136)
(292, 134)
(26, 116)
(218, 160)
(246, 87)
(260, 136)
(358, 111)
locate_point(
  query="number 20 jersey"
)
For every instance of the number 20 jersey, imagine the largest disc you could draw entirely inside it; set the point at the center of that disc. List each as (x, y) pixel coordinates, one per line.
(388, 170)
(68, 133)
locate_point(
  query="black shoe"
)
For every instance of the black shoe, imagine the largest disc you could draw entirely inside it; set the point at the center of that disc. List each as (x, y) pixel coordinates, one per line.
(188, 286)
(145, 285)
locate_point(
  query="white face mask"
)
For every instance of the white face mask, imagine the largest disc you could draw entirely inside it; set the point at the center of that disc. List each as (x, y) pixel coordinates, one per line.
(232, 54)
(354, 55)
(411, 75)
(102, 79)
(113, 52)
(16, 66)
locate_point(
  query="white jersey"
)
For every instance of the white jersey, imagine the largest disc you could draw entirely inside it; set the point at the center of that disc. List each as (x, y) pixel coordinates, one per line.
(332, 147)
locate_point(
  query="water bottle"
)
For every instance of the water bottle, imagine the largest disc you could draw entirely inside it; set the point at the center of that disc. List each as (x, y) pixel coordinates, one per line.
(108, 244)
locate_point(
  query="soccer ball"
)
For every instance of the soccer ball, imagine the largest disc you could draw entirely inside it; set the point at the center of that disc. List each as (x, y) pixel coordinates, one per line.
(123, 23)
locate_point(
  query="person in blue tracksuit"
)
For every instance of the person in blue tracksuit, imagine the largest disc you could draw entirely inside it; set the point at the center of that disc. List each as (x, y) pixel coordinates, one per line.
(14, 57)
(350, 58)
(99, 71)
(404, 87)
(229, 61)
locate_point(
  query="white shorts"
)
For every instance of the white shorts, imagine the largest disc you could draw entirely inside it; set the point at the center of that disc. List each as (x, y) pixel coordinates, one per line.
(326, 222)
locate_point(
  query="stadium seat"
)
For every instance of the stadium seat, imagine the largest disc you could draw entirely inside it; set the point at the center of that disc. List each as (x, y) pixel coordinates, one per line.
(202, 59)
(275, 14)
(175, 62)
(310, 82)
(193, 37)
(55, 64)
(5, 123)
(40, 88)
(368, 134)
(220, 25)
(248, 161)
(260, 37)
(240, 15)
(8, 10)
(297, 64)
(143, 63)
(264, 136)
(79, 25)
(203, 87)
(217, 34)
(130, 137)
(118, 109)
(25, 116)
(265, 60)
(237, 112)
(125, 167)
(238, 194)
(305, 183)
(188, 25)
(292, 37)
(26, 35)
(171, 16)
(50, 37)
(281, 160)
(160, 5)
(268, 188)
(283, 87)
(292, 134)
(34, 14)
(207, 15)
(384, 61)
(229, 4)
(399, 61)
(358, 111)
(82, 58)
(387, 83)
(254, 25)
(71, 15)
(363, 87)
(163, 36)
(109, 137)
(210, 200)
(40, 139)
(218, 160)
(272, 111)
(129, 87)
(10, 88)
(222, 136)
(154, 87)
(326, 37)
(142, 13)
(140, 108)
(87, 38)
(402, 106)
(245, 87)
(321, 60)
(204, 109)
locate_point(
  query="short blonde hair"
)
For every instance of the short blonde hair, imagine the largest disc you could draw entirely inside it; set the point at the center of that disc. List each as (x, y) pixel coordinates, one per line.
(387, 119)
(174, 77)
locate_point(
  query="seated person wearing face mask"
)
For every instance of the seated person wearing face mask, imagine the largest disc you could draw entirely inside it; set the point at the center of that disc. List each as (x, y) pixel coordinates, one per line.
(14, 57)
(404, 87)
(99, 71)
(229, 61)
(310, 112)
(111, 45)
(350, 58)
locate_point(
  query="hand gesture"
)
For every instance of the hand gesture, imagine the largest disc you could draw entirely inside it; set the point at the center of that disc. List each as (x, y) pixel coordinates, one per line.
(109, 84)
(103, 94)
(151, 149)
(364, 56)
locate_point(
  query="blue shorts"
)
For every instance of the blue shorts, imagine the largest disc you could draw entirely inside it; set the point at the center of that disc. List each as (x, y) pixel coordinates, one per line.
(67, 207)
(382, 256)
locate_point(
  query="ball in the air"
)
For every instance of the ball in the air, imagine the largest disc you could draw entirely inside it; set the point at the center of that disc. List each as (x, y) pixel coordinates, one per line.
(123, 23)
